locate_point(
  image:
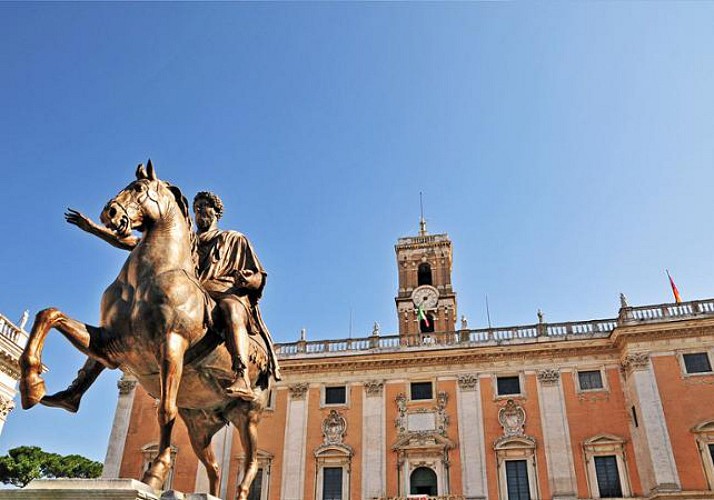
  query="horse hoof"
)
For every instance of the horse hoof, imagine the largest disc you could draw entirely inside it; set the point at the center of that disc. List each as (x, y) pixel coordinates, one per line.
(32, 392)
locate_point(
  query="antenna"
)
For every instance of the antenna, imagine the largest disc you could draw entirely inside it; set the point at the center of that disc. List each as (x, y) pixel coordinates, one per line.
(488, 313)
(422, 221)
(350, 332)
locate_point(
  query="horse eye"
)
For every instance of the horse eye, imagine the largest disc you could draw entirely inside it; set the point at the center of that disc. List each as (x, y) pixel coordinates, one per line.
(138, 187)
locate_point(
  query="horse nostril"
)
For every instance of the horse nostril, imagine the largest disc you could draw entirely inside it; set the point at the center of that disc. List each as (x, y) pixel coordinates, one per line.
(112, 212)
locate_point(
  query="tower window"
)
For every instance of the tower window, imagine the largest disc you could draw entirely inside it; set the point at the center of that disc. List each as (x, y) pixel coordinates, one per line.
(427, 325)
(424, 274)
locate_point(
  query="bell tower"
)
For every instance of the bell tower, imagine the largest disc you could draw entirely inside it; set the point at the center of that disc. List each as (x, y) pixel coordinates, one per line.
(425, 299)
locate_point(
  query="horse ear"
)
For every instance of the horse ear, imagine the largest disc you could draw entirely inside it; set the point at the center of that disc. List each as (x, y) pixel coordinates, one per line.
(150, 171)
(181, 200)
(140, 172)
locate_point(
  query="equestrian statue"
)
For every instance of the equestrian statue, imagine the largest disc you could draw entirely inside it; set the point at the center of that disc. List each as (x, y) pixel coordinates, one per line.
(182, 318)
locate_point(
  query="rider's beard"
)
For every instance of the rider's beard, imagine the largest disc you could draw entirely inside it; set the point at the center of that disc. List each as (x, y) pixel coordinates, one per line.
(203, 222)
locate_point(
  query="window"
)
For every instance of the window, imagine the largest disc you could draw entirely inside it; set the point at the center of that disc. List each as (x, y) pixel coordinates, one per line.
(421, 390)
(517, 480)
(508, 385)
(697, 362)
(256, 489)
(606, 466)
(424, 274)
(332, 483)
(336, 395)
(590, 380)
(704, 436)
(426, 325)
(423, 482)
(608, 479)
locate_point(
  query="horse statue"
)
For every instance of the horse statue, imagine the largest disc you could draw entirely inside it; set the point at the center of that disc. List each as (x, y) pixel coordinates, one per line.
(153, 326)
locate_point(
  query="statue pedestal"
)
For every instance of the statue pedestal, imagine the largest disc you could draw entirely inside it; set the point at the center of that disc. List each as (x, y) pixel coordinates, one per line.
(95, 489)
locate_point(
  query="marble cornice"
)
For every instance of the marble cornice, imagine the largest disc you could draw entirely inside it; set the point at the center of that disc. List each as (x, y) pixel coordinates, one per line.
(623, 335)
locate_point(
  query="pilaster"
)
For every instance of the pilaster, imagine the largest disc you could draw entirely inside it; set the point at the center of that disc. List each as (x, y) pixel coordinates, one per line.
(374, 480)
(471, 437)
(293, 480)
(120, 427)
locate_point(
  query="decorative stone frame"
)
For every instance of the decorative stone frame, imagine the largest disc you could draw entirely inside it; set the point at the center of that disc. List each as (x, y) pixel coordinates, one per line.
(521, 383)
(683, 367)
(606, 445)
(704, 436)
(603, 376)
(516, 448)
(323, 391)
(265, 462)
(333, 455)
(149, 453)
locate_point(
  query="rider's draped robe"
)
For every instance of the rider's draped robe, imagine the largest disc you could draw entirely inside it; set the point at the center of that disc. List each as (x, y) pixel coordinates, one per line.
(221, 257)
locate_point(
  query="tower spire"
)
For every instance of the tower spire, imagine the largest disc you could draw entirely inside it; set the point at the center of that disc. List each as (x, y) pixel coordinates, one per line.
(422, 221)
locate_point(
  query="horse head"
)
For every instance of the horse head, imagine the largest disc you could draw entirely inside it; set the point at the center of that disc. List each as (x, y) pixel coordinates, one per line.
(144, 202)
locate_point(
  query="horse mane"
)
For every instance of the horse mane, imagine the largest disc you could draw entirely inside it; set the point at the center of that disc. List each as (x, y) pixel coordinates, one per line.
(182, 203)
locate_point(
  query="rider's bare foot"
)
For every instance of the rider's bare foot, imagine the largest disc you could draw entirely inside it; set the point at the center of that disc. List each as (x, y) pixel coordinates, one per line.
(240, 389)
(67, 400)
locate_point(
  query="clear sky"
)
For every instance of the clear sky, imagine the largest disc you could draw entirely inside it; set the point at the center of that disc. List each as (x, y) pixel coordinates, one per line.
(566, 148)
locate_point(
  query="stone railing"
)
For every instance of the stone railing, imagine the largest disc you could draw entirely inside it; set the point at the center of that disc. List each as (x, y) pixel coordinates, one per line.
(539, 332)
(424, 497)
(9, 331)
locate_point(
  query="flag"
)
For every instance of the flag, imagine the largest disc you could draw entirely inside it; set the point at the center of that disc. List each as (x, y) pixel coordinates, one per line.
(421, 316)
(675, 291)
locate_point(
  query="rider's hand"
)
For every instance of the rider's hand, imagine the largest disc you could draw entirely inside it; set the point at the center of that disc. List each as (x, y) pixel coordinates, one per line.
(79, 219)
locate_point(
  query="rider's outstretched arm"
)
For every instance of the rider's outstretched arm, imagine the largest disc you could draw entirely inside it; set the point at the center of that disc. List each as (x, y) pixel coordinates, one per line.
(86, 224)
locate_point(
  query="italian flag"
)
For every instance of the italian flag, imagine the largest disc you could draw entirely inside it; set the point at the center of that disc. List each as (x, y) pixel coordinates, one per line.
(421, 316)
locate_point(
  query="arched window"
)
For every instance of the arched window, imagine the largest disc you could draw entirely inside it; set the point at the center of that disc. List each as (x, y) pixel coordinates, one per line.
(427, 325)
(424, 274)
(423, 482)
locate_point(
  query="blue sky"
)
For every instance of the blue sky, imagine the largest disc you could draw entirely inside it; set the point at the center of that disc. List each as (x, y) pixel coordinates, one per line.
(566, 149)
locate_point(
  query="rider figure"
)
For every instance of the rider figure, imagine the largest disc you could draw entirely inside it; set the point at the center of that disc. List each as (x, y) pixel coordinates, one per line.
(229, 271)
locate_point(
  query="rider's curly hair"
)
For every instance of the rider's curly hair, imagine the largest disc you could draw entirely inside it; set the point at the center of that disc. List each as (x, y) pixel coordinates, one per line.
(212, 198)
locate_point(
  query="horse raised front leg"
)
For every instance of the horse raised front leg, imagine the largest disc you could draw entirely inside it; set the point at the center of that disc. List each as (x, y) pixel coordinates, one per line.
(171, 368)
(86, 338)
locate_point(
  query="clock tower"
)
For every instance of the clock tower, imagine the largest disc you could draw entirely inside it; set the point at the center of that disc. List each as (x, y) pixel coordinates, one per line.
(425, 300)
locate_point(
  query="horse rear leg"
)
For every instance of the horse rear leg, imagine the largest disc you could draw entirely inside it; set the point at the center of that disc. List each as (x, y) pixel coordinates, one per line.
(202, 426)
(86, 338)
(171, 368)
(247, 425)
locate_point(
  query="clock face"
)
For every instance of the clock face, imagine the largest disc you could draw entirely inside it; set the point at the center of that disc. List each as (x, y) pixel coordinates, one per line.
(425, 296)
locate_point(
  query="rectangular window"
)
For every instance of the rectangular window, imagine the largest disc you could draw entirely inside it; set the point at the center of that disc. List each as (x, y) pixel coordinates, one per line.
(517, 480)
(421, 390)
(697, 362)
(590, 380)
(711, 452)
(256, 489)
(508, 385)
(608, 479)
(332, 483)
(335, 395)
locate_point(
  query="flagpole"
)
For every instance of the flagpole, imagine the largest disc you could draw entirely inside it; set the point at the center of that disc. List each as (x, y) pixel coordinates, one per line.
(488, 313)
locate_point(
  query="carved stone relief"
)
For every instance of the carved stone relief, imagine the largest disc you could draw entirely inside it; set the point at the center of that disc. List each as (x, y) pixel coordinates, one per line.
(6, 406)
(374, 387)
(512, 418)
(549, 376)
(333, 428)
(635, 361)
(468, 382)
(126, 386)
(298, 391)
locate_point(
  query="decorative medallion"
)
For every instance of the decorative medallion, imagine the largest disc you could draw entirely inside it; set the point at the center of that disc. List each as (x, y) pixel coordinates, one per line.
(298, 391)
(333, 428)
(549, 376)
(512, 418)
(635, 361)
(374, 387)
(468, 382)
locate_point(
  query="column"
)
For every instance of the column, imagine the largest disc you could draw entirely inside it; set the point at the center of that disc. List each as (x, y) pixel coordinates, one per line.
(6, 406)
(655, 460)
(374, 461)
(120, 427)
(471, 436)
(293, 480)
(556, 436)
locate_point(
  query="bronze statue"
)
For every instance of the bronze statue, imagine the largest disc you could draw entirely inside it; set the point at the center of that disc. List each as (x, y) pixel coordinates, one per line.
(161, 325)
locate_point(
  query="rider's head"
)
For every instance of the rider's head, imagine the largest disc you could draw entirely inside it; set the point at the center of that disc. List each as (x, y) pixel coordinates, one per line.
(207, 208)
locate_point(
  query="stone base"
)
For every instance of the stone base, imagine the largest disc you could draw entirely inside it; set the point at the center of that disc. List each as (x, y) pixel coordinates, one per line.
(95, 489)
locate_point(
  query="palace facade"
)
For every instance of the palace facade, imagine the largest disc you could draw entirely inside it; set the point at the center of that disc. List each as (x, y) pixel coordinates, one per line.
(611, 408)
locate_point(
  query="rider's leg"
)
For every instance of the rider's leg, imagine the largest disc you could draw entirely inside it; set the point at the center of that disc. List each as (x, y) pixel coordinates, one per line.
(70, 398)
(235, 317)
